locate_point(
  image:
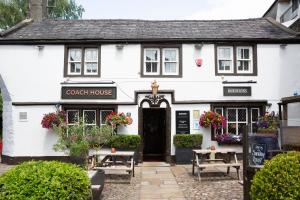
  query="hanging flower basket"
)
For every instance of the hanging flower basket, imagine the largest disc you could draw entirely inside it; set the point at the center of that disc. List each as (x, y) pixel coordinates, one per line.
(115, 119)
(53, 119)
(213, 119)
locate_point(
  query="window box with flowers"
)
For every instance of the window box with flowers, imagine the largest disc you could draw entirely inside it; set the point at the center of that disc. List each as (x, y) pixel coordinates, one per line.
(230, 139)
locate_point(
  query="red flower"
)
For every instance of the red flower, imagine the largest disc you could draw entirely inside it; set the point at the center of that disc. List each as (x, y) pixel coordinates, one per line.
(53, 119)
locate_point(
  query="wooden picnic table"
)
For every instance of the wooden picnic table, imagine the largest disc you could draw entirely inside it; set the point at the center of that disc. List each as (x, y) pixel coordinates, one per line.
(119, 160)
(202, 160)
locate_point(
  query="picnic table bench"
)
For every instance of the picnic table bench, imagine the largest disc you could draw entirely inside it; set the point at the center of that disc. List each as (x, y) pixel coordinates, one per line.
(202, 160)
(117, 161)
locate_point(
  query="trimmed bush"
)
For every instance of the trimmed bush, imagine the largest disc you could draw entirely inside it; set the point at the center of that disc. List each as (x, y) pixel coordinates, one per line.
(125, 141)
(188, 140)
(45, 180)
(278, 179)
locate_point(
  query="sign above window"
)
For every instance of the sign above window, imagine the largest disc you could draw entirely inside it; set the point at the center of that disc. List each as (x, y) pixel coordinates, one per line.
(237, 91)
(88, 93)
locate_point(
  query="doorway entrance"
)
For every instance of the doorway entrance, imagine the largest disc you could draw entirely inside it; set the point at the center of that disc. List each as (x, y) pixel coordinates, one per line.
(154, 134)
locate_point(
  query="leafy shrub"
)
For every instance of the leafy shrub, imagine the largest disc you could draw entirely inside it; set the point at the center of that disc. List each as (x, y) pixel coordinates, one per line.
(188, 140)
(45, 180)
(279, 178)
(125, 141)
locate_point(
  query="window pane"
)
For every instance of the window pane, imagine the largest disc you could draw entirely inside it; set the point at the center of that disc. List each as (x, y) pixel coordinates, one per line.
(151, 55)
(242, 115)
(103, 115)
(91, 55)
(148, 67)
(89, 116)
(75, 67)
(224, 53)
(254, 113)
(170, 67)
(224, 65)
(91, 67)
(231, 115)
(170, 55)
(74, 54)
(232, 128)
(243, 65)
(240, 128)
(72, 116)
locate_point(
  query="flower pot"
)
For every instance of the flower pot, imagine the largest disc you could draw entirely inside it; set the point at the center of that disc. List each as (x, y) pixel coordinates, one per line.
(183, 155)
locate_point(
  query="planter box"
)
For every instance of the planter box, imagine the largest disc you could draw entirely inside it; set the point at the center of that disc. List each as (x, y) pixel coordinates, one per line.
(97, 179)
(183, 155)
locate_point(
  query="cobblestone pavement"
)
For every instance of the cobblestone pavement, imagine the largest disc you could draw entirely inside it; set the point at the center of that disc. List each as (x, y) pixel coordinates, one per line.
(214, 185)
(4, 168)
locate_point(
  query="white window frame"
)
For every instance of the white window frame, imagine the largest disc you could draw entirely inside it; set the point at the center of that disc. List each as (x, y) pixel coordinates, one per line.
(220, 58)
(176, 61)
(215, 110)
(100, 123)
(237, 119)
(158, 62)
(250, 60)
(252, 122)
(70, 61)
(89, 124)
(91, 61)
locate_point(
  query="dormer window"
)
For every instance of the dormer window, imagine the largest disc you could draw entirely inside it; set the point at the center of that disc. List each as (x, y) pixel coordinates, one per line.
(82, 61)
(161, 61)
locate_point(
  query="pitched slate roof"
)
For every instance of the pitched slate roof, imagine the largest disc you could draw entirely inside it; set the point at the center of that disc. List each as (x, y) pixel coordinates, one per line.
(144, 30)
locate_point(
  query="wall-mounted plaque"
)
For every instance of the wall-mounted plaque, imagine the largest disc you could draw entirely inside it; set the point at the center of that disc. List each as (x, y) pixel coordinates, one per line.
(258, 154)
(88, 93)
(237, 91)
(183, 122)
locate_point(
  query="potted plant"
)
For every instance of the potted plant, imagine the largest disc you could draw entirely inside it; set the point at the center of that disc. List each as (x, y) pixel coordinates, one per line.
(126, 143)
(184, 144)
(116, 119)
(214, 119)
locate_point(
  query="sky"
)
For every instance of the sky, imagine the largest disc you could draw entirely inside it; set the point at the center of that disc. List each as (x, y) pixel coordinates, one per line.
(174, 9)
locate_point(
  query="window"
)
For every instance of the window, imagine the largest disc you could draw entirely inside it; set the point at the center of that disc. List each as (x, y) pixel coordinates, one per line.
(225, 59)
(82, 61)
(295, 5)
(161, 61)
(236, 60)
(170, 61)
(91, 115)
(244, 63)
(237, 117)
(152, 64)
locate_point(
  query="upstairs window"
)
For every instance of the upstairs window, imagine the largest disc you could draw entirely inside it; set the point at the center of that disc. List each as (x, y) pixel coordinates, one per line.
(83, 61)
(236, 60)
(161, 61)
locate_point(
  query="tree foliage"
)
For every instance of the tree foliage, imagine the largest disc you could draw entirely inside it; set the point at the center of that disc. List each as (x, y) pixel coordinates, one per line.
(14, 11)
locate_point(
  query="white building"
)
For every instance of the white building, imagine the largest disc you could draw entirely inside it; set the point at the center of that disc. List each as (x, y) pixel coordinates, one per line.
(247, 66)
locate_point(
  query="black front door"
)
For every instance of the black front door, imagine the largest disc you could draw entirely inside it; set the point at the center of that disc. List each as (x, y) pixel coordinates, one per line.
(154, 134)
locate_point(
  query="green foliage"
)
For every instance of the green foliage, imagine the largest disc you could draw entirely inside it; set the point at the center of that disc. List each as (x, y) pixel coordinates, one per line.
(79, 138)
(14, 11)
(45, 180)
(125, 141)
(279, 179)
(188, 140)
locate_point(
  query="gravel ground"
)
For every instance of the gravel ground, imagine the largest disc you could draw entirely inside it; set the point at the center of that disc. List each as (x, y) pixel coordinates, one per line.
(214, 185)
(122, 187)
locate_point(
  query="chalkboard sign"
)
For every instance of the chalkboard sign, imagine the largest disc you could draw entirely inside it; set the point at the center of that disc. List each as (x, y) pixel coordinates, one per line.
(183, 122)
(258, 154)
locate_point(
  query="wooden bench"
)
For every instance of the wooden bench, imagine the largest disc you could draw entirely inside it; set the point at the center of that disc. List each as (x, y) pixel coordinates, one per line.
(202, 163)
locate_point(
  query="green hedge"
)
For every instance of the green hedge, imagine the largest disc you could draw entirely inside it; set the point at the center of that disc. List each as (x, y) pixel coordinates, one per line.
(125, 141)
(279, 179)
(45, 180)
(188, 140)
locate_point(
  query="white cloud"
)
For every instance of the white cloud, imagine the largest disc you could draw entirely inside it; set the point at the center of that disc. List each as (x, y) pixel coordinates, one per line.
(233, 9)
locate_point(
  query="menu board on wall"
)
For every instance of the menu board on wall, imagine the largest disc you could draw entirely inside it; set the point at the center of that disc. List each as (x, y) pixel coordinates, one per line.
(183, 122)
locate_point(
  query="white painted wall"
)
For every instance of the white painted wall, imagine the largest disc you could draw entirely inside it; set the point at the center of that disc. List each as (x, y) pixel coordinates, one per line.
(35, 76)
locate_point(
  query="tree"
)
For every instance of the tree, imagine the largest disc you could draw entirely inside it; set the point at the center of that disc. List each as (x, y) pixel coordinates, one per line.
(14, 11)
